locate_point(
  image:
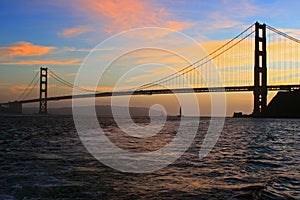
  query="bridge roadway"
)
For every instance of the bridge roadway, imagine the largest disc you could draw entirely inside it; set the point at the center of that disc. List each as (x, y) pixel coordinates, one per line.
(165, 91)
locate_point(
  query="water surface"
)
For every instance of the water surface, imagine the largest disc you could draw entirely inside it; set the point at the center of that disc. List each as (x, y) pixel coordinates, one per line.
(43, 158)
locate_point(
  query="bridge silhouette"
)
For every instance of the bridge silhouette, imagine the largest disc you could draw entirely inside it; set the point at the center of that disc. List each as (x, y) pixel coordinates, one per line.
(260, 59)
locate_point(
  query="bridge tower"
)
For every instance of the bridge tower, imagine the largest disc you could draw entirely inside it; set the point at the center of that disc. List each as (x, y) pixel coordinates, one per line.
(43, 90)
(260, 70)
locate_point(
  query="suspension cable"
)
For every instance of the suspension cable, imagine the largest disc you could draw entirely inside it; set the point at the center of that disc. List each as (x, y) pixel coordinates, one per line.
(66, 83)
(21, 97)
(283, 34)
(35, 84)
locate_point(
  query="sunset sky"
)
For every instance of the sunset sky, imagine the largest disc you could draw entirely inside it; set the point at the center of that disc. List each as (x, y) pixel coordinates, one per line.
(60, 34)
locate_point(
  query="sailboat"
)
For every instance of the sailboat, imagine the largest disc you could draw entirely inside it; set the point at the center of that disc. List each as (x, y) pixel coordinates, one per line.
(180, 113)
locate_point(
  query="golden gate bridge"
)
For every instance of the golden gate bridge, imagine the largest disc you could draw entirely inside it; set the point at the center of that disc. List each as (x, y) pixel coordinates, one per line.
(260, 59)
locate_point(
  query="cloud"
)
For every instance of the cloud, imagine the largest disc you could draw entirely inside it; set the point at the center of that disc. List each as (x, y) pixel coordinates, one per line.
(21, 88)
(122, 15)
(74, 61)
(151, 74)
(72, 49)
(84, 50)
(221, 23)
(74, 31)
(24, 49)
(177, 25)
(3, 84)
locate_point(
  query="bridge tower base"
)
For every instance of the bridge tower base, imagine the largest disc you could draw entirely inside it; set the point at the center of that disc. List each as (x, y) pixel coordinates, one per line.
(260, 71)
(43, 90)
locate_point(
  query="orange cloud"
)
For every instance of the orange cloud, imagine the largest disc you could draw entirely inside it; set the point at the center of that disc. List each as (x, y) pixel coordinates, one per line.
(221, 23)
(123, 15)
(176, 25)
(43, 62)
(24, 49)
(78, 30)
(20, 88)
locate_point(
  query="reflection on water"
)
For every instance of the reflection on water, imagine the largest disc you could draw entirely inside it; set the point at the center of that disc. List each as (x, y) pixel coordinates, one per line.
(43, 158)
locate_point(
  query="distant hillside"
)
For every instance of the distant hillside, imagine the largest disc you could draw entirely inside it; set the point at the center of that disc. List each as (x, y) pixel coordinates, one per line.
(284, 104)
(104, 111)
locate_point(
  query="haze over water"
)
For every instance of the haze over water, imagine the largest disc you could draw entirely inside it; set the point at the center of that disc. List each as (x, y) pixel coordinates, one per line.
(42, 157)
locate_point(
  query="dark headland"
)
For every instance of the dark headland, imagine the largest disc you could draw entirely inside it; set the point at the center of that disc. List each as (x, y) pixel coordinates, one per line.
(286, 104)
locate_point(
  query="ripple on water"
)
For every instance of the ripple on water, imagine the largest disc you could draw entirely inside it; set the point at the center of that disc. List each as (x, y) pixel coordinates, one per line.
(43, 158)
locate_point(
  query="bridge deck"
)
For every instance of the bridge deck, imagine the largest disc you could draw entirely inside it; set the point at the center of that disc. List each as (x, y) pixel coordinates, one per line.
(166, 91)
